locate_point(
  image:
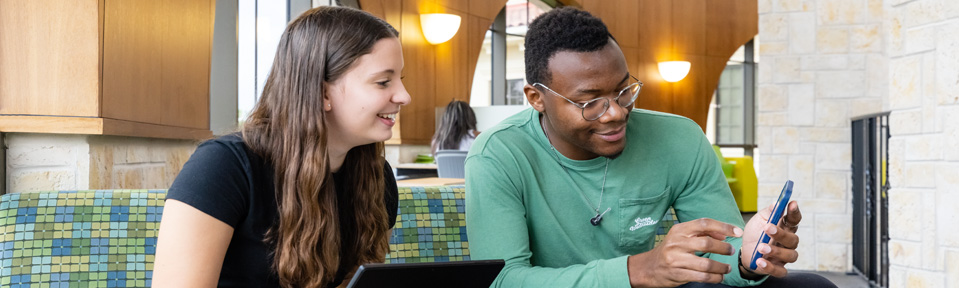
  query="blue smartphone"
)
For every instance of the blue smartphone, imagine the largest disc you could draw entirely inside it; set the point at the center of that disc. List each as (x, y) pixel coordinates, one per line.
(777, 214)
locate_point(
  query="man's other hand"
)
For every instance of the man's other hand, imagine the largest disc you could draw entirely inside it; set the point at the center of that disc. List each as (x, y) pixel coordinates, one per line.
(674, 261)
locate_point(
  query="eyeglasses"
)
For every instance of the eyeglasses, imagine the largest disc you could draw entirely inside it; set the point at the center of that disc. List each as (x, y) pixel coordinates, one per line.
(593, 109)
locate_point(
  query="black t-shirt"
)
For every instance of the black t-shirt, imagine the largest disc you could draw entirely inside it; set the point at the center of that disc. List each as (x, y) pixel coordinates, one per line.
(226, 180)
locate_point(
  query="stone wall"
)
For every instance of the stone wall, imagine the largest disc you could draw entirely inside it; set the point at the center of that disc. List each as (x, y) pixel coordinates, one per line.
(822, 64)
(43, 162)
(825, 61)
(923, 53)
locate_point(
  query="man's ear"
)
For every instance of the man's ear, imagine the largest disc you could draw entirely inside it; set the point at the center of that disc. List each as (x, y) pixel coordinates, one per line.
(535, 97)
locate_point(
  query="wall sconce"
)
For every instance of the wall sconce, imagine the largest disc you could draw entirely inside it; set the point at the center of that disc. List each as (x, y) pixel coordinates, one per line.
(439, 27)
(673, 71)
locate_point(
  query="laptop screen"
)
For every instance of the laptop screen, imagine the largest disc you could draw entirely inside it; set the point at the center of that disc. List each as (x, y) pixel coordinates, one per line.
(476, 273)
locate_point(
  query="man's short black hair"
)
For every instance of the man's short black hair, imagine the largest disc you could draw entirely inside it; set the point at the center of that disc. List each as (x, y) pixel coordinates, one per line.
(561, 29)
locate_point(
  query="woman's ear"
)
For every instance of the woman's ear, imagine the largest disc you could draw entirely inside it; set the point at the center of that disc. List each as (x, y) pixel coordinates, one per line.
(534, 96)
(327, 90)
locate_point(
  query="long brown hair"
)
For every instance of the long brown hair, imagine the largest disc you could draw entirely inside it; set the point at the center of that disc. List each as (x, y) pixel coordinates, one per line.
(288, 127)
(456, 123)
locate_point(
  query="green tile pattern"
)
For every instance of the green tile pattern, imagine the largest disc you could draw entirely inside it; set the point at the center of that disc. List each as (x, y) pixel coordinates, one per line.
(430, 226)
(91, 238)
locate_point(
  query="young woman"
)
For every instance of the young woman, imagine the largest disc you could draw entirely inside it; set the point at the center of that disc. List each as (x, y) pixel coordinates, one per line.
(457, 128)
(303, 195)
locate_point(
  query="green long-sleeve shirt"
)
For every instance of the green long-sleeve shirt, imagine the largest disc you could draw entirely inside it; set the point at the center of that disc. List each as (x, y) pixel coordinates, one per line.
(521, 206)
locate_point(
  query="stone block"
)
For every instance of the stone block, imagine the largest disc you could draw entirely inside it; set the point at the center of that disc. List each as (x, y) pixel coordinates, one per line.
(834, 156)
(767, 64)
(832, 39)
(920, 175)
(874, 11)
(802, 105)
(864, 106)
(924, 279)
(832, 185)
(785, 140)
(904, 83)
(135, 153)
(931, 257)
(773, 48)
(905, 253)
(921, 13)
(947, 216)
(947, 63)
(806, 248)
(771, 98)
(45, 180)
(952, 268)
(764, 137)
(764, 7)
(920, 39)
(802, 35)
(824, 62)
(924, 147)
(774, 168)
(785, 70)
(895, 32)
(840, 84)
(53, 154)
(908, 122)
(897, 276)
(832, 113)
(773, 27)
(772, 118)
(821, 206)
(947, 177)
(801, 171)
(840, 12)
(831, 256)
(950, 132)
(833, 228)
(905, 210)
(826, 135)
(866, 39)
(877, 79)
(897, 159)
(857, 61)
(43, 150)
(791, 5)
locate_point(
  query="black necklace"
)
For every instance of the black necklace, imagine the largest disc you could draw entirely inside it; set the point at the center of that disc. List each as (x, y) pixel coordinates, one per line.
(599, 216)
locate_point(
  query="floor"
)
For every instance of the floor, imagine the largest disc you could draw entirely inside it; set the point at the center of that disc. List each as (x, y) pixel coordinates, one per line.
(841, 279)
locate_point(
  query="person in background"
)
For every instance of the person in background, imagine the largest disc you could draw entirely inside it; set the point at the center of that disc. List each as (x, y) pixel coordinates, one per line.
(303, 195)
(457, 128)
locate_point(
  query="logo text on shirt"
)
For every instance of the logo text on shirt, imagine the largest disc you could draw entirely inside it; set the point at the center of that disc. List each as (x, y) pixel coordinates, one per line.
(642, 222)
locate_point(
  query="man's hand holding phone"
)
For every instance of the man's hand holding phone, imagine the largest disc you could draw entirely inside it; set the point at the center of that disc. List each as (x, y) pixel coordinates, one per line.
(782, 243)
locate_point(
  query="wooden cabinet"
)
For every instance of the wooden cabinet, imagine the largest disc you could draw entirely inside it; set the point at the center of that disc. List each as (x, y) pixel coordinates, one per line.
(109, 67)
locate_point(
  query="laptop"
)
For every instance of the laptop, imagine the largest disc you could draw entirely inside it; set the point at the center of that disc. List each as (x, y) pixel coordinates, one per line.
(465, 274)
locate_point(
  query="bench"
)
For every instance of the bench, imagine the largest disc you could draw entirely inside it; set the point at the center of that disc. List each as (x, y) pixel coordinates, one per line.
(107, 238)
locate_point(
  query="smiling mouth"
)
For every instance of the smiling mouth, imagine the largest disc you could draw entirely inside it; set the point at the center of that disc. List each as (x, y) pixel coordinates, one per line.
(390, 116)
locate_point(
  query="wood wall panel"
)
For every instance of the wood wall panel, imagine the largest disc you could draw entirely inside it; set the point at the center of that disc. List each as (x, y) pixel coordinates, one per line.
(49, 58)
(156, 67)
(689, 27)
(706, 33)
(741, 28)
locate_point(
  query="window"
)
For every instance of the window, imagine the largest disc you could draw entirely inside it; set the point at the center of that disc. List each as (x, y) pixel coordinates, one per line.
(731, 123)
(500, 69)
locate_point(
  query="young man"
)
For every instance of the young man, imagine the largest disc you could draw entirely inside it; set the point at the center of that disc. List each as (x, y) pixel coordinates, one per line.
(569, 193)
